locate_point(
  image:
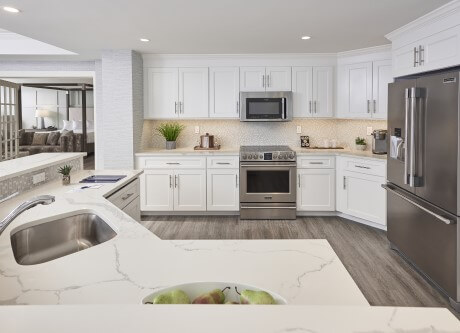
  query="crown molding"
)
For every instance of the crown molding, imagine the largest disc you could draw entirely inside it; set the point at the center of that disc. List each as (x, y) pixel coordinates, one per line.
(365, 51)
(438, 14)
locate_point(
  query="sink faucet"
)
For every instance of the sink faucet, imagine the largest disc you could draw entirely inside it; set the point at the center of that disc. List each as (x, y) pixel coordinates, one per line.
(40, 200)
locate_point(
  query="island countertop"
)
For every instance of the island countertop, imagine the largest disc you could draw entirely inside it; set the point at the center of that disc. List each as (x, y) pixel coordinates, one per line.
(105, 284)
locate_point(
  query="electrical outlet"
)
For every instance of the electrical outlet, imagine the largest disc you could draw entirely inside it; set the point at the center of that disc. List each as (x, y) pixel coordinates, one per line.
(197, 129)
(38, 178)
(369, 131)
(299, 129)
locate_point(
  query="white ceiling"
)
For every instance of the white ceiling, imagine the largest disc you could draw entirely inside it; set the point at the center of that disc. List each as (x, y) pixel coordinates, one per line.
(212, 26)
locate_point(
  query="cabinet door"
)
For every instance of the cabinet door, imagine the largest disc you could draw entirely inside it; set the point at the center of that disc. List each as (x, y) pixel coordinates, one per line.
(323, 92)
(302, 81)
(364, 197)
(316, 189)
(190, 190)
(193, 93)
(252, 78)
(382, 76)
(157, 190)
(223, 189)
(278, 79)
(133, 209)
(357, 87)
(441, 50)
(224, 87)
(404, 60)
(161, 93)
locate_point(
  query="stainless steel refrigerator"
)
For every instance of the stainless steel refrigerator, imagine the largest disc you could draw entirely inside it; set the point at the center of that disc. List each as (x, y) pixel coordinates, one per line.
(423, 177)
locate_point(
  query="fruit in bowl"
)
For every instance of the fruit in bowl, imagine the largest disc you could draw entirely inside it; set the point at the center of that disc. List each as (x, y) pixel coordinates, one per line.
(214, 297)
(256, 297)
(172, 297)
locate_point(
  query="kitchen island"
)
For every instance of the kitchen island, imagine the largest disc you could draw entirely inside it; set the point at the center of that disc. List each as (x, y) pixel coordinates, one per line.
(104, 285)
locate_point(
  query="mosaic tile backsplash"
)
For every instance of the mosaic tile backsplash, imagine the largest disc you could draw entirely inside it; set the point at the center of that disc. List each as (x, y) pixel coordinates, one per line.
(24, 183)
(235, 133)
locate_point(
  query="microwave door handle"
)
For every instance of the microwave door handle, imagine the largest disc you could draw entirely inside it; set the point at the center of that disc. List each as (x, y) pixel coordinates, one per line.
(283, 107)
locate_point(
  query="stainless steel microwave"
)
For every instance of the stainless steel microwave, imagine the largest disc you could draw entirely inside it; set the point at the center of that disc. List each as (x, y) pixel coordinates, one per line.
(266, 106)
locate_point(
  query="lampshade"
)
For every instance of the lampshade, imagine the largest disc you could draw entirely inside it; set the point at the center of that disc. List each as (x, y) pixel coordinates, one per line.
(42, 113)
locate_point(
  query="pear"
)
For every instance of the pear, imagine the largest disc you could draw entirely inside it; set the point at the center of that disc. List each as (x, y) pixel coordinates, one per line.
(256, 297)
(231, 303)
(172, 297)
(215, 296)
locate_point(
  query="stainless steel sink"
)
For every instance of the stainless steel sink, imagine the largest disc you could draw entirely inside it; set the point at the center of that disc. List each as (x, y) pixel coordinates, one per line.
(51, 240)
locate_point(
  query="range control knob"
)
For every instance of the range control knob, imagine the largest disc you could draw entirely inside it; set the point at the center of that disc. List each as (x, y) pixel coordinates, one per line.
(244, 156)
(291, 156)
(275, 156)
(261, 156)
(282, 156)
(250, 156)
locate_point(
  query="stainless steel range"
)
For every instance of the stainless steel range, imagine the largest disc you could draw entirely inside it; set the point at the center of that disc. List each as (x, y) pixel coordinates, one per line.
(268, 182)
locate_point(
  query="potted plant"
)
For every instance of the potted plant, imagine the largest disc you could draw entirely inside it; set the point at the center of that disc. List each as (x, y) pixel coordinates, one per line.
(360, 143)
(65, 172)
(170, 131)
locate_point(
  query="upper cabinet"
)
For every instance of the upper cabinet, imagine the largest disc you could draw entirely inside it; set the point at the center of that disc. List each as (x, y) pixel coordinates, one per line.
(312, 89)
(363, 89)
(265, 78)
(176, 93)
(429, 43)
(224, 92)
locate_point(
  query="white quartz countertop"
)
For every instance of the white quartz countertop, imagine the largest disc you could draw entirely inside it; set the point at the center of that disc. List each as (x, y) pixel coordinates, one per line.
(225, 319)
(19, 166)
(130, 266)
(184, 151)
(103, 286)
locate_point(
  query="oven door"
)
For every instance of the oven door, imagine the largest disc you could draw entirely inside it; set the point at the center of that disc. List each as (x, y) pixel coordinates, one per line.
(268, 182)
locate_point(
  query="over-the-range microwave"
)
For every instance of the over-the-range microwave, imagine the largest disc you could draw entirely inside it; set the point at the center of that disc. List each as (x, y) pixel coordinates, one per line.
(266, 106)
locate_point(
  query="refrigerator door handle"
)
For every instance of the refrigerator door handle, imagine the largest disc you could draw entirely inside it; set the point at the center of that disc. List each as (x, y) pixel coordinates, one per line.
(412, 140)
(439, 217)
(406, 137)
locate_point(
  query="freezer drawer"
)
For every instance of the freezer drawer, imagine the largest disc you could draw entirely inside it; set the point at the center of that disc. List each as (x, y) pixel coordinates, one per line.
(421, 233)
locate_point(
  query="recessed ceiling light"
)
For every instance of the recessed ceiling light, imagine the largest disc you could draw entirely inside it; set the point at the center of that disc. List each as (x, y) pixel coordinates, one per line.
(306, 37)
(145, 40)
(11, 9)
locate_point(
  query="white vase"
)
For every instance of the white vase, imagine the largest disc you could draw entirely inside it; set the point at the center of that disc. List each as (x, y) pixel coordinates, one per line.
(361, 147)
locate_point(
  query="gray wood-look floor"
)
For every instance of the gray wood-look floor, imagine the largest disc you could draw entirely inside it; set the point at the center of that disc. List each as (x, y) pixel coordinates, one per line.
(382, 275)
(88, 162)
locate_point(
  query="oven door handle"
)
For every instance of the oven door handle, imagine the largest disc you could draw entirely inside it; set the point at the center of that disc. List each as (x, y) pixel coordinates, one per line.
(268, 165)
(263, 207)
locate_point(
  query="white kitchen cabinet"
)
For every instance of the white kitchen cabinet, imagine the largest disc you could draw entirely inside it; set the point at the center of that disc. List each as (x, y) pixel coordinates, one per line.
(359, 189)
(278, 79)
(312, 90)
(252, 78)
(224, 92)
(190, 190)
(223, 190)
(363, 196)
(157, 193)
(316, 190)
(193, 92)
(364, 89)
(265, 79)
(382, 76)
(173, 190)
(133, 209)
(161, 93)
(357, 85)
(176, 93)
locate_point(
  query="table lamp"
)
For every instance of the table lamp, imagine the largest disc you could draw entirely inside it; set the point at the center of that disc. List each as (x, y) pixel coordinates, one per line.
(42, 113)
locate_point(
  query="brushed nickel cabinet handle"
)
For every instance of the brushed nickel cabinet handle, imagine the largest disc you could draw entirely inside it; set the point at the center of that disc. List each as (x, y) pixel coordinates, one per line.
(263, 81)
(310, 106)
(368, 106)
(298, 180)
(236, 180)
(176, 181)
(375, 106)
(362, 167)
(344, 182)
(421, 55)
(173, 163)
(223, 163)
(237, 107)
(175, 107)
(127, 196)
(415, 57)
(170, 181)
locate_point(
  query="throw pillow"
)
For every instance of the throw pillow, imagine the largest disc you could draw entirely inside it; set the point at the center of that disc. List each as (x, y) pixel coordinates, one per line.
(22, 137)
(53, 138)
(77, 125)
(67, 125)
(64, 133)
(39, 139)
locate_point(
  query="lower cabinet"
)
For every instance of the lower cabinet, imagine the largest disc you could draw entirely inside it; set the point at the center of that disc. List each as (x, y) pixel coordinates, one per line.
(133, 209)
(361, 194)
(315, 189)
(223, 190)
(168, 190)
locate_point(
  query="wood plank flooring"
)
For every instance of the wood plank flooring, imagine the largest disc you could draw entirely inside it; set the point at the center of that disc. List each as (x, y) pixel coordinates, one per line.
(88, 162)
(382, 275)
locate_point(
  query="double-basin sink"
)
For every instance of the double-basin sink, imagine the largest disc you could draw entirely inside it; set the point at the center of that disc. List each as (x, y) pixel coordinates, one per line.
(58, 238)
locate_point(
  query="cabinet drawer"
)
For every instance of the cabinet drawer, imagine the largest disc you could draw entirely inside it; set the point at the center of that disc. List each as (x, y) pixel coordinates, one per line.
(316, 162)
(223, 162)
(171, 162)
(124, 196)
(133, 209)
(368, 167)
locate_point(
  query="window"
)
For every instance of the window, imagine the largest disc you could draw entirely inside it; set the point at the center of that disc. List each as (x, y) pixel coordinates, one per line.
(9, 142)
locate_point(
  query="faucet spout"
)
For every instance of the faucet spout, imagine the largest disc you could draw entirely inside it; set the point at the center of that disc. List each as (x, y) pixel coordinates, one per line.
(40, 200)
